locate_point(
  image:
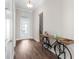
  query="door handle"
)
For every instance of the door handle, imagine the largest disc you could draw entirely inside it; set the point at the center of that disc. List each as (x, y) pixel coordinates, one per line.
(11, 41)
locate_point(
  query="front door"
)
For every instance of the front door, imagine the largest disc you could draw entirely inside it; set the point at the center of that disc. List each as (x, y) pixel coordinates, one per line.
(10, 29)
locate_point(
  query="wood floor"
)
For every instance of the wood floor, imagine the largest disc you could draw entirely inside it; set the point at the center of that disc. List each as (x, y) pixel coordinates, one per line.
(30, 49)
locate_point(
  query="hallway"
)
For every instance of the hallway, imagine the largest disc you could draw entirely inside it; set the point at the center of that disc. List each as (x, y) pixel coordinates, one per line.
(30, 49)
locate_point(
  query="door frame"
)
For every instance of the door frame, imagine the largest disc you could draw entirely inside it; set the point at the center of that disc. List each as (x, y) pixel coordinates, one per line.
(40, 25)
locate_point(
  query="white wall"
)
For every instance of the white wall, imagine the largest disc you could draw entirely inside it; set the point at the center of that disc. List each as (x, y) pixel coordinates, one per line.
(23, 13)
(51, 18)
(58, 18)
(67, 16)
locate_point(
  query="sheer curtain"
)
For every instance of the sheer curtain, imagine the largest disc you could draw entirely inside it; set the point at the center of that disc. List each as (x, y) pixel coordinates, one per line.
(25, 28)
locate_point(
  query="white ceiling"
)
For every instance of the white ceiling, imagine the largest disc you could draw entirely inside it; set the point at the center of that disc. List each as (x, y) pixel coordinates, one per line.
(23, 3)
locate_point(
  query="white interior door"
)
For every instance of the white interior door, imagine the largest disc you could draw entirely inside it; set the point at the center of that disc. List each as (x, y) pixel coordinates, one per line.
(10, 29)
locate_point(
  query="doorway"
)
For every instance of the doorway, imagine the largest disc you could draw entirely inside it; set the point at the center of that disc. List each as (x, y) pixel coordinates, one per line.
(40, 25)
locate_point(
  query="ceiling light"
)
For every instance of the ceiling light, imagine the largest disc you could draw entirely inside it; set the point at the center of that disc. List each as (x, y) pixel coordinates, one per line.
(29, 4)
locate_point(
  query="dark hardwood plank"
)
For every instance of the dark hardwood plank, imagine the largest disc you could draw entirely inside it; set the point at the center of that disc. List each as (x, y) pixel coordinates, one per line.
(30, 49)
